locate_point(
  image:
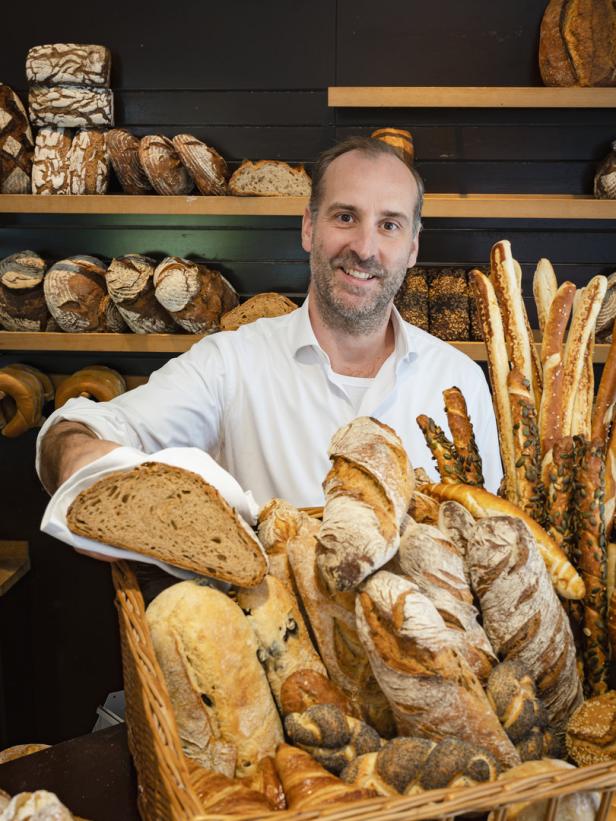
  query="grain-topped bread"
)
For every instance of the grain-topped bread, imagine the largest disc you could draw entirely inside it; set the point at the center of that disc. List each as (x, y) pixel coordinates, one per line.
(173, 515)
(269, 178)
(258, 306)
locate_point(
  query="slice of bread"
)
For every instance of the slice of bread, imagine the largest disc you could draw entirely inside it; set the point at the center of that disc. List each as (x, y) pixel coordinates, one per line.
(173, 515)
(258, 306)
(269, 178)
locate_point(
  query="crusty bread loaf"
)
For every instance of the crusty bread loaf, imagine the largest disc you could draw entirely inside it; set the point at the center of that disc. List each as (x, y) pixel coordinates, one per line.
(434, 564)
(284, 643)
(88, 169)
(423, 508)
(456, 524)
(36, 806)
(195, 295)
(554, 60)
(205, 165)
(269, 178)
(522, 615)
(399, 139)
(71, 63)
(260, 305)
(70, 106)
(94, 382)
(173, 515)
(163, 167)
(306, 688)
(449, 314)
(278, 523)
(208, 654)
(431, 688)
(123, 150)
(51, 160)
(480, 503)
(22, 298)
(130, 280)
(588, 28)
(16, 144)
(367, 493)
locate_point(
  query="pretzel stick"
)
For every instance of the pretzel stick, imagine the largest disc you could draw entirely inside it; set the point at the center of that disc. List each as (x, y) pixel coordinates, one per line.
(449, 466)
(464, 442)
(544, 290)
(606, 396)
(498, 367)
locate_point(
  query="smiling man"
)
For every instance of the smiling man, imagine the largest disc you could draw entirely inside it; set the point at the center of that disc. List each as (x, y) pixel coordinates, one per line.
(265, 400)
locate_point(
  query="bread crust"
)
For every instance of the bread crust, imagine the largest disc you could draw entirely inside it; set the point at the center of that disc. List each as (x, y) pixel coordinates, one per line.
(449, 465)
(545, 286)
(163, 167)
(123, 150)
(27, 393)
(130, 280)
(526, 446)
(205, 165)
(555, 62)
(463, 435)
(299, 179)
(268, 304)
(606, 397)
(98, 381)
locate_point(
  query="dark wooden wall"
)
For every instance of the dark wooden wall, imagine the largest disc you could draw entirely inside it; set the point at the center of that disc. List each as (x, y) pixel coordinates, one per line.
(251, 79)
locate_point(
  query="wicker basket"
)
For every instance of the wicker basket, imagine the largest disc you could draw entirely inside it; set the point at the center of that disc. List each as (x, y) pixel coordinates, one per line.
(166, 794)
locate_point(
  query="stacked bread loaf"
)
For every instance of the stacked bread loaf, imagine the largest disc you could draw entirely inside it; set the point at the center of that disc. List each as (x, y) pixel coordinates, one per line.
(15, 144)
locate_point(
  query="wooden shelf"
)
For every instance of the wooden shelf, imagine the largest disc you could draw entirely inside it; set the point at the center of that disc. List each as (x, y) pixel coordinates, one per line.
(14, 563)
(515, 206)
(16, 341)
(469, 97)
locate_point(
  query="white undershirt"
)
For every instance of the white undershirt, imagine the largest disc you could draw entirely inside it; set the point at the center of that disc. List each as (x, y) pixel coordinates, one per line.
(356, 387)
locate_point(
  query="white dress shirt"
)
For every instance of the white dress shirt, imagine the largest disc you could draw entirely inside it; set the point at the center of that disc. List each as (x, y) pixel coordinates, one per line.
(265, 402)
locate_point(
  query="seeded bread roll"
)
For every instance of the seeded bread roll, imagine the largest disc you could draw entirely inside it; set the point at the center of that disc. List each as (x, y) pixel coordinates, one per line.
(89, 163)
(94, 382)
(269, 178)
(22, 297)
(163, 167)
(16, 144)
(591, 732)
(123, 150)
(194, 295)
(204, 164)
(449, 314)
(258, 306)
(130, 280)
(70, 106)
(208, 654)
(412, 298)
(51, 161)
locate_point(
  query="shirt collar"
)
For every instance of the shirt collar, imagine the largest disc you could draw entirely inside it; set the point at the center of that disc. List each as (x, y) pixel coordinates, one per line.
(302, 335)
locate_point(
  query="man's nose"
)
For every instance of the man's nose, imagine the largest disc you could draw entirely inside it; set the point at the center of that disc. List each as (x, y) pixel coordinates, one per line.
(364, 241)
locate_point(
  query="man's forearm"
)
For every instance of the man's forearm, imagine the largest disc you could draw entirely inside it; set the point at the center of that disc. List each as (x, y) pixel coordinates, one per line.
(66, 447)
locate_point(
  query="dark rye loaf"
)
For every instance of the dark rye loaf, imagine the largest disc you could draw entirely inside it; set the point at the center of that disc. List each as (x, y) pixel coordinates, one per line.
(172, 515)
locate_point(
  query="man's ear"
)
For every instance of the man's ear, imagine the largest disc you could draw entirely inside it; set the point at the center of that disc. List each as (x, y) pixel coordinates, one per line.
(414, 251)
(307, 231)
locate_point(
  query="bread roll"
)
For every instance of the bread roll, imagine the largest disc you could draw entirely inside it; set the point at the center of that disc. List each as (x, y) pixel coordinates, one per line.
(123, 150)
(163, 167)
(16, 144)
(51, 161)
(269, 178)
(88, 170)
(204, 164)
(22, 298)
(208, 654)
(399, 139)
(94, 382)
(591, 732)
(70, 63)
(194, 295)
(431, 688)
(257, 307)
(70, 106)
(130, 280)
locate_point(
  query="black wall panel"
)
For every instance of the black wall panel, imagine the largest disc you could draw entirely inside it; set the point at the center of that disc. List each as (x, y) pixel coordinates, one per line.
(251, 79)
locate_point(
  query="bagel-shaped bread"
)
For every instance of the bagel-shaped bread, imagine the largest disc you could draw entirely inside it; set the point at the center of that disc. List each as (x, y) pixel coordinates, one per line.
(46, 383)
(96, 381)
(26, 391)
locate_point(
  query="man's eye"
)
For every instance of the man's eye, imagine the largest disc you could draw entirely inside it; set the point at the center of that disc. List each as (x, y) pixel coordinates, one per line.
(390, 226)
(345, 218)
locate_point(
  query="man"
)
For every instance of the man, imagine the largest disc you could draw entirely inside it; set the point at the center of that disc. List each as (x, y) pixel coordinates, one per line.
(265, 400)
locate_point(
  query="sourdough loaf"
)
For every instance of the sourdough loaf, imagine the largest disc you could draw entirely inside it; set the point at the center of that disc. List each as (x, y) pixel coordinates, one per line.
(51, 161)
(130, 281)
(258, 306)
(269, 178)
(208, 654)
(195, 295)
(22, 297)
(173, 515)
(16, 145)
(163, 167)
(205, 165)
(88, 169)
(96, 382)
(70, 106)
(123, 150)
(70, 63)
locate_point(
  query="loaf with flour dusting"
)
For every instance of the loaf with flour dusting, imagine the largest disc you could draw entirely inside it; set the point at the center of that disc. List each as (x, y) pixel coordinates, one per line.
(163, 167)
(22, 298)
(130, 281)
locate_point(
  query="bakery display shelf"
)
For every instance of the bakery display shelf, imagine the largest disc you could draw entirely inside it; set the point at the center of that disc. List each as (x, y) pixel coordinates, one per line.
(14, 563)
(469, 97)
(516, 206)
(164, 343)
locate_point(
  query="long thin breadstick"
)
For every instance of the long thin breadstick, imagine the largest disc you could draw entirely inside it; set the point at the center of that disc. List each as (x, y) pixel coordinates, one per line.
(545, 286)
(584, 395)
(498, 367)
(606, 396)
(535, 360)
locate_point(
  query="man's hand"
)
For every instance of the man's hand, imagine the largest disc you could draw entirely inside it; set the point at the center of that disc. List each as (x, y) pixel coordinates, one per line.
(68, 446)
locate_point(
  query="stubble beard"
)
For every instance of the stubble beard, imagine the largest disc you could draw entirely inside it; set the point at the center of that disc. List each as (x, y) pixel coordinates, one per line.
(337, 313)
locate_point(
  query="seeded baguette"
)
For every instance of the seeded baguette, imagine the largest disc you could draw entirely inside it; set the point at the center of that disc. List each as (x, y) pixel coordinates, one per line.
(170, 514)
(558, 476)
(448, 463)
(526, 447)
(464, 442)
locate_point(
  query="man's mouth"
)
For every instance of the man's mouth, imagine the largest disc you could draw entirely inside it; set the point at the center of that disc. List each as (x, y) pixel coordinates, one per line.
(353, 272)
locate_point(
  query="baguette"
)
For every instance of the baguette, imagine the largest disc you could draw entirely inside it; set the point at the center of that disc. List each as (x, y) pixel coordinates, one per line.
(552, 359)
(498, 366)
(463, 436)
(535, 360)
(610, 482)
(545, 286)
(480, 503)
(558, 479)
(450, 466)
(584, 395)
(526, 447)
(606, 397)
(278, 523)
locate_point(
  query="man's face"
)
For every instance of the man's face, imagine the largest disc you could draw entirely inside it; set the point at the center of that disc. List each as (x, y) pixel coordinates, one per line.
(361, 241)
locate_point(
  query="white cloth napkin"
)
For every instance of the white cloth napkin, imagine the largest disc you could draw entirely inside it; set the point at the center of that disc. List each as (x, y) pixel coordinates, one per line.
(54, 519)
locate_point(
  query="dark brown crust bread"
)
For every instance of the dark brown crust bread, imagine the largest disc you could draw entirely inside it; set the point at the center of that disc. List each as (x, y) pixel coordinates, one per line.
(205, 165)
(16, 144)
(591, 733)
(123, 150)
(22, 297)
(554, 61)
(603, 410)
(463, 436)
(588, 29)
(163, 167)
(412, 299)
(449, 313)
(450, 466)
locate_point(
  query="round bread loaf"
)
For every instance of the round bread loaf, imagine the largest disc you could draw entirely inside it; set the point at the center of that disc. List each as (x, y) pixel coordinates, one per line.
(77, 296)
(196, 296)
(22, 298)
(16, 144)
(258, 306)
(163, 167)
(399, 139)
(205, 165)
(89, 163)
(50, 166)
(123, 150)
(130, 281)
(95, 382)
(591, 731)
